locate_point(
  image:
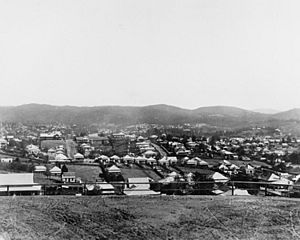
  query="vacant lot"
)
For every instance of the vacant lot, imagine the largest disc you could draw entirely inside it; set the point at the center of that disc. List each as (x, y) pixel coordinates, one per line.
(85, 172)
(160, 217)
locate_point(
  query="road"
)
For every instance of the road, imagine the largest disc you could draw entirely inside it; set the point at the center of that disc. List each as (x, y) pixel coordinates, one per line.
(161, 151)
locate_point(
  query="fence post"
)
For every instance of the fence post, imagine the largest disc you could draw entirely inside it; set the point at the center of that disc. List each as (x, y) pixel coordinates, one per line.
(232, 188)
(266, 191)
(7, 190)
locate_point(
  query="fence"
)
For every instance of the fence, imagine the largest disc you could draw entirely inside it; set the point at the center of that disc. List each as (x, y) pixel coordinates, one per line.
(193, 188)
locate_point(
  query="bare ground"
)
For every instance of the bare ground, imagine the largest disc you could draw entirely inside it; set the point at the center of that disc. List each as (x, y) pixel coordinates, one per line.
(160, 217)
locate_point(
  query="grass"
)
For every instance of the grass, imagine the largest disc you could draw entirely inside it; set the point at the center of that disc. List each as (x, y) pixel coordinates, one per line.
(160, 217)
(136, 172)
(86, 173)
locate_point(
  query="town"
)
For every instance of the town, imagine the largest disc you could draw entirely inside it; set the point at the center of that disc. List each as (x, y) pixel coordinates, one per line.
(147, 159)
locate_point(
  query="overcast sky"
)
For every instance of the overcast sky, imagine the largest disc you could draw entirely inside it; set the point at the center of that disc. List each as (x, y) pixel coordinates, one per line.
(242, 53)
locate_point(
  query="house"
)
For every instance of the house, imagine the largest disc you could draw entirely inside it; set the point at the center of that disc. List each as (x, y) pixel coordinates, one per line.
(19, 184)
(128, 159)
(40, 169)
(61, 158)
(78, 157)
(192, 162)
(55, 171)
(105, 188)
(118, 136)
(150, 153)
(32, 150)
(81, 140)
(139, 186)
(115, 158)
(89, 160)
(68, 177)
(219, 178)
(51, 152)
(203, 163)
(162, 161)
(172, 160)
(250, 170)
(114, 169)
(98, 141)
(50, 136)
(6, 160)
(3, 143)
(151, 161)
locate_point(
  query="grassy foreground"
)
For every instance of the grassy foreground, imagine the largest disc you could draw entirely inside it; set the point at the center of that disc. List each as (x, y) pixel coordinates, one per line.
(166, 217)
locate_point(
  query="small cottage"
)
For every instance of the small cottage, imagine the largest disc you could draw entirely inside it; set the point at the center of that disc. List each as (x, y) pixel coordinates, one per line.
(68, 177)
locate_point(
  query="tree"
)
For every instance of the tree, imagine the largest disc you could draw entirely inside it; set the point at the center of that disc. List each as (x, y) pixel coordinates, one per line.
(64, 169)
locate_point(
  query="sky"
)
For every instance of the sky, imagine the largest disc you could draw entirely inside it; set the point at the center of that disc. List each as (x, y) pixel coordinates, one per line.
(243, 53)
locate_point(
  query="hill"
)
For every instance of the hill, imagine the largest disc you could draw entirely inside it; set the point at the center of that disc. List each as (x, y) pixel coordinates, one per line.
(217, 116)
(161, 217)
(266, 110)
(293, 114)
(160, 114)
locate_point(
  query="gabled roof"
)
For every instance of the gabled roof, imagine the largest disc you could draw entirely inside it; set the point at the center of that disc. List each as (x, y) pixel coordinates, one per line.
(273, 177)
(51, 150)
(127, 157)
(78, 155)
(60, 157)
(115, 157)
(113, 168)
(55, 169)
(163, 160)
(203, 163)
(150, 152)
(218, 177)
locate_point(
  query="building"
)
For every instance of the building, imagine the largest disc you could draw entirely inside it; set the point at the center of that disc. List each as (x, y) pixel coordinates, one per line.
(55, 171)
(6, 160)
(40, 169)
(68, 177)
(19, 184)
(78, 157)
(50, 136)
(3, 143)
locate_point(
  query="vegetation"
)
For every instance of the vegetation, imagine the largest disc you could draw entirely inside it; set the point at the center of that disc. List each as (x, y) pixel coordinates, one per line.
(159, 217)
(220, 116)
(16, 166)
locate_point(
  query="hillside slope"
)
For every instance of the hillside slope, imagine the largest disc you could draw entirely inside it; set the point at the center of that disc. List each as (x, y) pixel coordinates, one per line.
(293, 114)
(165, 217)
(160, 114)
(219, 116)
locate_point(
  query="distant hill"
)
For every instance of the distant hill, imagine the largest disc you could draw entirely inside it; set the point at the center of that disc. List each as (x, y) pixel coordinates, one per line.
(293, 114)
(222, 116)
(266, 110)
